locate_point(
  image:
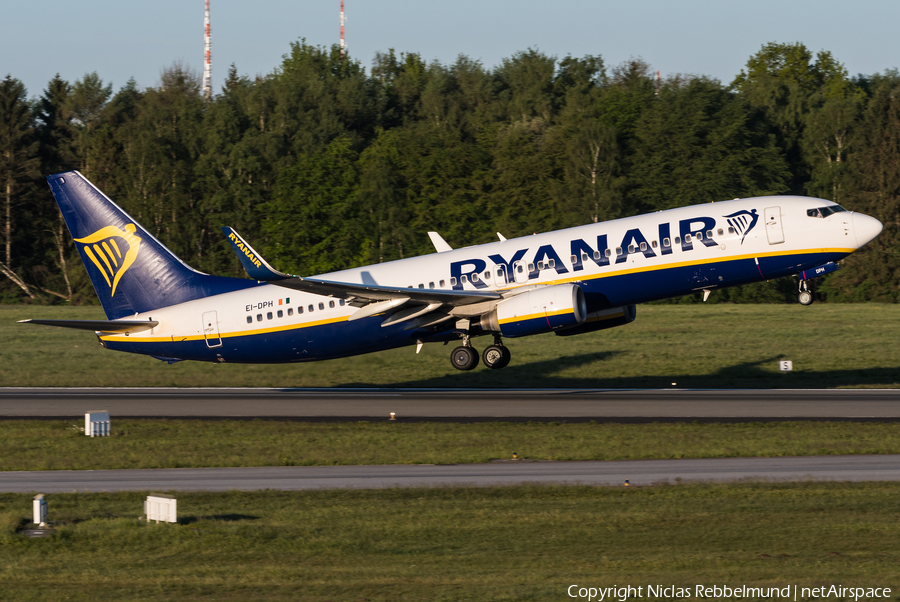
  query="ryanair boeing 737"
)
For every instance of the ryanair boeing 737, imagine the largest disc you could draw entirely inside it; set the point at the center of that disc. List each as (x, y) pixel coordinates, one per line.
(568, 282)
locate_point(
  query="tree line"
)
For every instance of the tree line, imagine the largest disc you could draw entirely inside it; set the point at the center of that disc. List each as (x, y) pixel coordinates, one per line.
(324, 165)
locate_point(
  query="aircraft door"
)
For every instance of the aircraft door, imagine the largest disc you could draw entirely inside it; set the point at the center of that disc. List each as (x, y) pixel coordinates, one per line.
(500, 273)
(774, 230)
(520, 271)
(211, 329)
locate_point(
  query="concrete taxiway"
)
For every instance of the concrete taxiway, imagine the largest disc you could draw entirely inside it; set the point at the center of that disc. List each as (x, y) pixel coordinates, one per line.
(458, 404)
(291, 478)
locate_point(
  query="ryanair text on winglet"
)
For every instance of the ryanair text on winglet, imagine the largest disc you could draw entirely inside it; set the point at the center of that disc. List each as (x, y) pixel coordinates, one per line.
(243, 247)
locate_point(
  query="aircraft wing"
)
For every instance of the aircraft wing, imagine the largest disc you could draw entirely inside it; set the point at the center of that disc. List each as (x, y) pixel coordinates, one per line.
(117, 326)
(360, 294)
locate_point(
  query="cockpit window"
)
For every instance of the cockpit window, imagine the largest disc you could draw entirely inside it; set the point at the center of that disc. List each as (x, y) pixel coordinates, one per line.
(824, 212)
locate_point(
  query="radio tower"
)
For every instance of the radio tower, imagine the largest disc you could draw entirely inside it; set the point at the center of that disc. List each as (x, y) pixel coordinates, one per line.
(342, 31)
(207, 65)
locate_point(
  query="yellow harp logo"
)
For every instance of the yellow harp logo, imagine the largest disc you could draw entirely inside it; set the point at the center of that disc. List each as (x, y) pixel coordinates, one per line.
(103, 250)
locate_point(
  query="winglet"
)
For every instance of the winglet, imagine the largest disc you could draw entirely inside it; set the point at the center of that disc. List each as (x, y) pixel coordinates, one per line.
(440, 245)
(255, 266)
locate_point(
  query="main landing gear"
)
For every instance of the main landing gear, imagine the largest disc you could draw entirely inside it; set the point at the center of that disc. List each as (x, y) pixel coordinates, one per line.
(805, 297)
(465, 357)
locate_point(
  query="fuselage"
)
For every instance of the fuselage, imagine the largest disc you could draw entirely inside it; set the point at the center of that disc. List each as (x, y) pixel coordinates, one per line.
(617, 263)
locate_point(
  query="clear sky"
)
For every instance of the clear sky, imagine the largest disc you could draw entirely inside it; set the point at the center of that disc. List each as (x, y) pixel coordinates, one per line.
(121, 39)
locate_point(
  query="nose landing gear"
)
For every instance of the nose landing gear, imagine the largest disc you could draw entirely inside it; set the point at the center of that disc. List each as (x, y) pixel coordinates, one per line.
(805, 297)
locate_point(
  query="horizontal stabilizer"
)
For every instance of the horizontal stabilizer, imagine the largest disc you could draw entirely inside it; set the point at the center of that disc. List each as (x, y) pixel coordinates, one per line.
(118, 326)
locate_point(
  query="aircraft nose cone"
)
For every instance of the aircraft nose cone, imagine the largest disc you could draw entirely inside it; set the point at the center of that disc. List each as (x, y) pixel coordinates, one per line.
(866, 228)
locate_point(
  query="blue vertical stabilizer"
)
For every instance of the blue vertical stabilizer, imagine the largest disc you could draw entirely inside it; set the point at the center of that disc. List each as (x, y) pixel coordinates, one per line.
(131, 271)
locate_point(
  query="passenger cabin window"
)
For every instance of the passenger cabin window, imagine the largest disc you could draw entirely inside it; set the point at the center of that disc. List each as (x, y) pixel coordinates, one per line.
(421, 286)
(452, 280)
(667, 243)
(464, 279)
(530, 267)
(687, 238)
(678, 240)
(730, 230)
(720, 232)
(441, 284)
(430, 285)
(607, 252)
(597, 254)
(487, 275)
(280, 314)
(259, 317)
(699, 235)
(654, 244)
(341, 303)
(520, 268)
(249, 319)
(331, 304)
(643, 246)
(291, 311)
(268, 315)
(575, 258)
(474, 277)
(631, 248)
(618, 250)
(552, 263)
(540, 265)
(321, 305)
(584, 257)
(709, 234)
(310, 308)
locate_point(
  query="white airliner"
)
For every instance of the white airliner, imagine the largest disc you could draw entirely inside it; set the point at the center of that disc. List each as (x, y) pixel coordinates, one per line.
(568, 282)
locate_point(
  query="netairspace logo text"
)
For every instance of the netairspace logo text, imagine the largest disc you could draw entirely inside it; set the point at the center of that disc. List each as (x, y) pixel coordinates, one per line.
(790, 592)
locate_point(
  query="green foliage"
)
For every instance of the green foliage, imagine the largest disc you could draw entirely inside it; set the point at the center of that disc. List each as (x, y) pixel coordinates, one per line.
(327, 166)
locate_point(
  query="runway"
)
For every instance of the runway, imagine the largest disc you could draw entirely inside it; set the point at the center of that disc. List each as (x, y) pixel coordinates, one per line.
(458, 405)
(295, 478)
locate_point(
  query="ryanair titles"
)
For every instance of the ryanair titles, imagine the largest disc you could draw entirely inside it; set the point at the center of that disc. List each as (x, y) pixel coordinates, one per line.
(239, 244)
(518, 269)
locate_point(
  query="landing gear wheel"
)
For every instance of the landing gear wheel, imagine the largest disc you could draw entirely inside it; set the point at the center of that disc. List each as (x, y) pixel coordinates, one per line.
(496, 357)
(464, 358)
(805, 297)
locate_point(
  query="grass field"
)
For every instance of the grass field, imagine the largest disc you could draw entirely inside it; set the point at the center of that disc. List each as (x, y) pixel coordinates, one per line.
(56, 445)
(517, 543)
(699, 346)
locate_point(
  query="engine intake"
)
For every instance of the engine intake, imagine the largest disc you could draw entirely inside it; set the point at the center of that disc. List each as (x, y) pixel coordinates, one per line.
(546, 309)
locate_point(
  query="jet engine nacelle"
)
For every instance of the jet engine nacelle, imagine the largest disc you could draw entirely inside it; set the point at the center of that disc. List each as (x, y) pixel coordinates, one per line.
(545, 309)
(603, 319)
